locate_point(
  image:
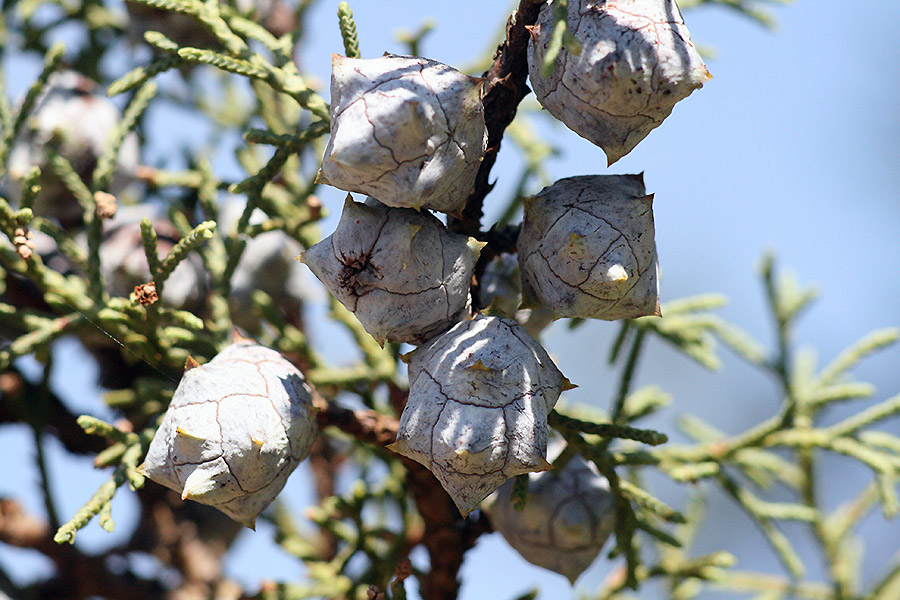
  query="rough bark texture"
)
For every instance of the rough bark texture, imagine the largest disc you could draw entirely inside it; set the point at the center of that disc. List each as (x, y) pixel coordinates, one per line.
(504, 88)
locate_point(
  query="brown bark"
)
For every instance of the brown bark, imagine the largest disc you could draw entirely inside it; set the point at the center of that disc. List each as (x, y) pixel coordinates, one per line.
(504, 88)
(78, 576)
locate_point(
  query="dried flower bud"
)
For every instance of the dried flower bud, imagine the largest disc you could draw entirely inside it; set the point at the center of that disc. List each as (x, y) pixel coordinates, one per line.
(76, 121)
(587, 248)
(400, 271)
(636, 62)
(408, 131)
(478, 403)
(106, 205)
(23, 240)
(145, 293)
(235, 430)
(374, 593)
(568, 516)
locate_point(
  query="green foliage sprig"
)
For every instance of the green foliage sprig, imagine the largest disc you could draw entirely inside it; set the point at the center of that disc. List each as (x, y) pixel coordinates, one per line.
(348, 31)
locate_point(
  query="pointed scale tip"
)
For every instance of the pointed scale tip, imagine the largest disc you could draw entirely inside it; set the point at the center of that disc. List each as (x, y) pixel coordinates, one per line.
(617, 273)
(183, 433)
(399, 447)
(413, 229)
(198, 484)
(190, 363)
(237, 337)
(543, 465)
(475, 245)
(463, 507)
(478, 365)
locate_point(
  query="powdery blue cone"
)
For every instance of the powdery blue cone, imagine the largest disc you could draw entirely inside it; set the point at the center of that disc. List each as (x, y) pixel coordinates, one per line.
(408, 131)
(636, 62)
(568, 516)
(478, 404)
(587, 248)
(235, 430)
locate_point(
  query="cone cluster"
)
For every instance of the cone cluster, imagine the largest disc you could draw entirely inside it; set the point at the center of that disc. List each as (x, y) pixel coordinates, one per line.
(410, 133)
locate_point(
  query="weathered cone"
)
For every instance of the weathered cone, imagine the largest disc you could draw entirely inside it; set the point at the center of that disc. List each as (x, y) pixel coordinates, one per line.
(123, 261)
(268, 264)
(404, 276)
(636, 62)
(587, 248)
(406, 130)
(73, 119)
(235, 430)
(500, 286)
(568, 516)
(478, 403)
(500, 294)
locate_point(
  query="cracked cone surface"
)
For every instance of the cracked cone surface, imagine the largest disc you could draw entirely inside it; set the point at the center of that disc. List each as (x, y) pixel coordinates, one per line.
(408, 131)
(567, 518)
(404, 276)
(235, 430)
(478, 404)
(636, 62)
(587, 248)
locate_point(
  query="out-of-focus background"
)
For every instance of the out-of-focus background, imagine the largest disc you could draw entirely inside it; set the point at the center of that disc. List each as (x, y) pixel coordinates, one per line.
(793, 147)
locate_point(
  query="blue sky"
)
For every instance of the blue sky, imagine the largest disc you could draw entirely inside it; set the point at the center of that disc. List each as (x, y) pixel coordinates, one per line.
(792, 147)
